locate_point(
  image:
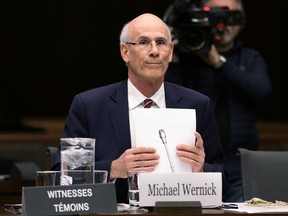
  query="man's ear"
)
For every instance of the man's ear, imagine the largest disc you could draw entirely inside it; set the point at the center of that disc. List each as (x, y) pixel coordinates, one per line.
(171, 52)
(124, 52)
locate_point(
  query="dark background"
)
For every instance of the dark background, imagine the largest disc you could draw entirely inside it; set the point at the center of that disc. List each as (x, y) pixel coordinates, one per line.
(52, 49)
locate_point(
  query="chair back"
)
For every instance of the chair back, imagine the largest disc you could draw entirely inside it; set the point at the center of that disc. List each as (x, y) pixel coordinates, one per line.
(264, 174)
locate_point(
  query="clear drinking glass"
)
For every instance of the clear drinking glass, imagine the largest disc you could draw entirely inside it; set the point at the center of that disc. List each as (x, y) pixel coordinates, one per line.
(77, 160)
(46, 178)
(100, 176)
(133, 192)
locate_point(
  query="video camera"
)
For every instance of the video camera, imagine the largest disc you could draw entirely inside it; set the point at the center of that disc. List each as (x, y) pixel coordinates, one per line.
(196, 27)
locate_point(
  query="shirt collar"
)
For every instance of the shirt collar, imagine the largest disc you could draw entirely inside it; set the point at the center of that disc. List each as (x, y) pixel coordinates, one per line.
(135, 97)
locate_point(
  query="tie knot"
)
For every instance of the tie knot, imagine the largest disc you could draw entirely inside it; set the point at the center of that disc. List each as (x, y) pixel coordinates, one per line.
(147, 103)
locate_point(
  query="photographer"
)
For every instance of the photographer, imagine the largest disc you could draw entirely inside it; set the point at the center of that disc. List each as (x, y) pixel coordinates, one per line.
(211, 60)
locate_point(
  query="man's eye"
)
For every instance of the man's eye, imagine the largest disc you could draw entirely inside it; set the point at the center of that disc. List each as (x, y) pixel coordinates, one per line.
(143, 42)
(161, 42)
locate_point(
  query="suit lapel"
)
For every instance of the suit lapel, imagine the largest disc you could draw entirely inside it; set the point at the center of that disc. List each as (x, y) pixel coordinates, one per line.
(119, 117)
(173, 98)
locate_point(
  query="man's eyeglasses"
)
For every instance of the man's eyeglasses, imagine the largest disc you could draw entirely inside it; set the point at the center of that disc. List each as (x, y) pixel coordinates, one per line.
(162, 45)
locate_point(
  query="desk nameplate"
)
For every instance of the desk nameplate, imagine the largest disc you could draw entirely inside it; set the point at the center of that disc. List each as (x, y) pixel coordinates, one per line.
(205, 187)
(69, 200)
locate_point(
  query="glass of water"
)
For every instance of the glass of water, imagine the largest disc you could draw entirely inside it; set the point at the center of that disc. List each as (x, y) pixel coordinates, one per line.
(133, 192)
(77, 160)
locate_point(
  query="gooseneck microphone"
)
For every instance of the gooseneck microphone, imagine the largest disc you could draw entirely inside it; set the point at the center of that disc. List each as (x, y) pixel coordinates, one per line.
(162, 135)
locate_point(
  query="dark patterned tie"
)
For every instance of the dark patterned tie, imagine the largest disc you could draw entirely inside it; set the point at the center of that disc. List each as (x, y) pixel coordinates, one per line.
(148, 103)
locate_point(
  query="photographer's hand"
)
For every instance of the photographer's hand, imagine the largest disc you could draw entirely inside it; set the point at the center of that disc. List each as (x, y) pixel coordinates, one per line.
(212, 57)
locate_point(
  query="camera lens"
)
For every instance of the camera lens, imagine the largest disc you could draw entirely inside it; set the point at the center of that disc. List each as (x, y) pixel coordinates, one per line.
(193, 39)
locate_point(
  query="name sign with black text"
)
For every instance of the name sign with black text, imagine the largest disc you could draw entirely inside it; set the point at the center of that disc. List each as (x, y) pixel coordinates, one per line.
(205, 187)
(69, 200)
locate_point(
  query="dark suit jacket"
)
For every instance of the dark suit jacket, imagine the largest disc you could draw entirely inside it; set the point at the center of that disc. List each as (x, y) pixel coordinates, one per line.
(102, 113)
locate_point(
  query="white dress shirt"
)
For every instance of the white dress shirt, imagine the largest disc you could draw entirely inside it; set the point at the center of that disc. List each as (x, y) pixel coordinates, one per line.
(135, 101)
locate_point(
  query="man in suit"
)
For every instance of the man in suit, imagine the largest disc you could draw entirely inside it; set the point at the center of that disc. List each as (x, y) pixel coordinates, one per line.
(104, 113)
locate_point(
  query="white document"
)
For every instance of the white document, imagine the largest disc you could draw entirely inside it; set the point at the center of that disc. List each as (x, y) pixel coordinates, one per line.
(252, 209)
(163, 129)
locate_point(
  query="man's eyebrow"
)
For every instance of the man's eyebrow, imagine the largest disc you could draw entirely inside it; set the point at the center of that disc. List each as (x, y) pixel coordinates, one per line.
(157, 38)
(143, 37)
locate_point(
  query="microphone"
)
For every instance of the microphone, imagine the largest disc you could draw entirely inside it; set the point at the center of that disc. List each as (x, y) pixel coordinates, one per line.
(162, 135)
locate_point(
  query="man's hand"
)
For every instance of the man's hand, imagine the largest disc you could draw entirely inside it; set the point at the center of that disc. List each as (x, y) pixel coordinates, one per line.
(194, 155)
(134, 159)
(211, 57)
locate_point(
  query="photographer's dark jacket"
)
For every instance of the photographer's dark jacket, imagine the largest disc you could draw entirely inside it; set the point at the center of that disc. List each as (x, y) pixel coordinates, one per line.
(236, 88)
